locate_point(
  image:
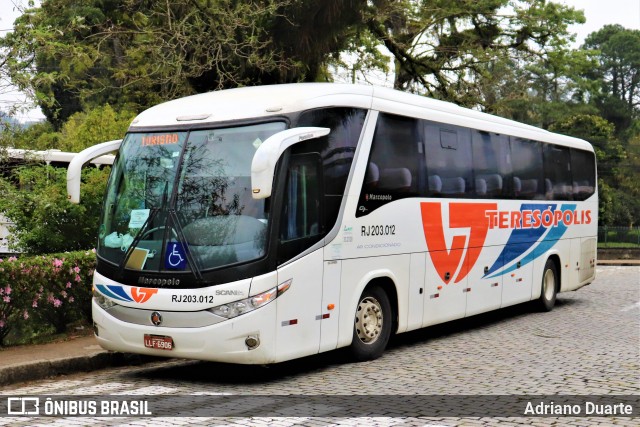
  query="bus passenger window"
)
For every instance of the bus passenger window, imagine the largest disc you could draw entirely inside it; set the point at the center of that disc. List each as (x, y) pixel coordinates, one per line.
(528, 176)
(395, 179)
(491, 164)
(395, 164)
(448, 161)
(372, 177)
(302, 209)
(583, 168)
(557, 172)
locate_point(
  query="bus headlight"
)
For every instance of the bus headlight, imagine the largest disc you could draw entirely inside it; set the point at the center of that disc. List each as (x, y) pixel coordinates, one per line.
(236, 308)
(104, 302)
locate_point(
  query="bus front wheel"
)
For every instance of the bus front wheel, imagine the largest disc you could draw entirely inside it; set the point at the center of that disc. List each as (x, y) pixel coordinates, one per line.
(549, 286)
(372, 326)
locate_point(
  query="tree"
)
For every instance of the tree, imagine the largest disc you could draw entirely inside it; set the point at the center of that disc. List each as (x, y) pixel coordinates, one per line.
(541, 92)
(77, 54)
(74, 55)
(599, 132)
(618, 72)
(617, 183)
(100, 124)
(45, 222)
(443, 48)
(80, 131)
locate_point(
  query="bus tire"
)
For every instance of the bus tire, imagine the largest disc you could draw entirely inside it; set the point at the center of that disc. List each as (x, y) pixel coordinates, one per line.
(549, 287)
(372, 326)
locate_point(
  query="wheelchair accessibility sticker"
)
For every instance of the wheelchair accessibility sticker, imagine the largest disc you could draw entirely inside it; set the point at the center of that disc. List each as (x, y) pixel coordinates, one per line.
(175, 257)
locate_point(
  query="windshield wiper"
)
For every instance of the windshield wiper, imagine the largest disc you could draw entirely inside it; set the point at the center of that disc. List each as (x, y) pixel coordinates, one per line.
(140, 233)
(136, 240)
(174, 220)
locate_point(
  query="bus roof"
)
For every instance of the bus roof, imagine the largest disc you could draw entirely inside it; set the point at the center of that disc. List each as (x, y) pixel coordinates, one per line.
(276, 100)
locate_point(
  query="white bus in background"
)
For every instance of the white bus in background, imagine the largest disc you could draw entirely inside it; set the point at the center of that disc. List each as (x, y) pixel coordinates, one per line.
(15, 157)
(5, 224)
(261, 224)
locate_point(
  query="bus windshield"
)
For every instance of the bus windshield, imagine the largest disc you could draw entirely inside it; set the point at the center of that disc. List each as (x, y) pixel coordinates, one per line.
(181, 198)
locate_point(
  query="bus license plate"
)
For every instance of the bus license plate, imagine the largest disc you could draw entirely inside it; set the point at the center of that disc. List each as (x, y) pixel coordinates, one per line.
(160, 342)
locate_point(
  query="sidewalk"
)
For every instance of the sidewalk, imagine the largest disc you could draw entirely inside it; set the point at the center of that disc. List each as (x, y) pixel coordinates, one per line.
(78, 354)
(83, 354)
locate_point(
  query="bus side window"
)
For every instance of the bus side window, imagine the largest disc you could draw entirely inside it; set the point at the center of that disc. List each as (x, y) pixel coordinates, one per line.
(491, 164)
(301, 220)
(557, 173)
(302, 208)
(448, 161)
(528, 174)
(394, 168)
(583, 168)
(372, 177)
(336, 149)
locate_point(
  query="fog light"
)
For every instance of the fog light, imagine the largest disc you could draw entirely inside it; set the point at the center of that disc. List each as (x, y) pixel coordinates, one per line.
(252, 342)
(95, 329)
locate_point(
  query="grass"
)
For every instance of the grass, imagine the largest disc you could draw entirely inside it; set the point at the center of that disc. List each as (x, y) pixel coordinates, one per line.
(617, 245)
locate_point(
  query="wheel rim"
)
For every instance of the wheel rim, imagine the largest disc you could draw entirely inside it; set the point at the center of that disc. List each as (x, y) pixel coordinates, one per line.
(369, 320)
(549, 283)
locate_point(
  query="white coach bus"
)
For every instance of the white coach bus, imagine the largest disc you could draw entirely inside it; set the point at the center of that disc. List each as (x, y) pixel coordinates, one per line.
(261, 224)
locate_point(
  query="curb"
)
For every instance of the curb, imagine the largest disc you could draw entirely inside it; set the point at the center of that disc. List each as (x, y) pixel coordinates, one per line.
(619, 262)
(49, 368)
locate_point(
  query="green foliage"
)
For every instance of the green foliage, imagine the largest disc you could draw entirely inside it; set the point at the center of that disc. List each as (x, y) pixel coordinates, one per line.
(42, 293)
(618, 73)
(100, 124)
(40, 136)
(600, 133)
(45, 222)
(444, 48)
(617, 206)
(618, 237)
(73, 55)
(80, 131)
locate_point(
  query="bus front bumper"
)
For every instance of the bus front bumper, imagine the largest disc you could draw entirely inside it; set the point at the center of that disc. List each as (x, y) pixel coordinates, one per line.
(223, 342)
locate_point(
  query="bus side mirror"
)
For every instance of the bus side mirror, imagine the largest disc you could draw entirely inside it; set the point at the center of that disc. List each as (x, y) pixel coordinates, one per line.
(266, 156)
(75, 166)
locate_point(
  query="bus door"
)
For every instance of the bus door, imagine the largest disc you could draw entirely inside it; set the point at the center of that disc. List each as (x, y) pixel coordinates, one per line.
(329, 309)
(301, 227)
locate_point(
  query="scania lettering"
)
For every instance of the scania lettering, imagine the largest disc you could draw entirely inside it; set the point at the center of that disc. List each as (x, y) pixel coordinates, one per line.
(262, 224)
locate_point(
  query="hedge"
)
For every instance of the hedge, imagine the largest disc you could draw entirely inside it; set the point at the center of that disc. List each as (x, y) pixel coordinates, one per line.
(44, 294)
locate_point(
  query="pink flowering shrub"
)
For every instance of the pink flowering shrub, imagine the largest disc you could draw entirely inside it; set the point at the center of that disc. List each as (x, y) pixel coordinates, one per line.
(13, 297)
(46, 290)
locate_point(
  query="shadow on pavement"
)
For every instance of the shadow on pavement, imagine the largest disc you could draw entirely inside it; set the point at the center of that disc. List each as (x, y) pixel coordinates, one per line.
(224, 373)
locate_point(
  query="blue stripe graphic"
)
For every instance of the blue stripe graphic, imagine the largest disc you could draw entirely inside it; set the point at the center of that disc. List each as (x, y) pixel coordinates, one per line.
(547, 243)
(520, 240)
(115, 292)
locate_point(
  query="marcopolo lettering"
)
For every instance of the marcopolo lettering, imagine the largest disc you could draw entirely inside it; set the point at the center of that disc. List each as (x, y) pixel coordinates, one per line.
(172, 281)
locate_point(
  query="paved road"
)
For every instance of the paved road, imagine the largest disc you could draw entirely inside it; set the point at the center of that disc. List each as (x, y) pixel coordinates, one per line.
(588, 345)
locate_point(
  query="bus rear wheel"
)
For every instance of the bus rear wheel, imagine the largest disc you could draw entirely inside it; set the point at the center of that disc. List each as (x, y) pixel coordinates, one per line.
(549, 287)
(372, 326)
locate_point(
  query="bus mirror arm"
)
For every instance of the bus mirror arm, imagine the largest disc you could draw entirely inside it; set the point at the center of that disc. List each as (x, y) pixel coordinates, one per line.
(266, 156)
(75, 166)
